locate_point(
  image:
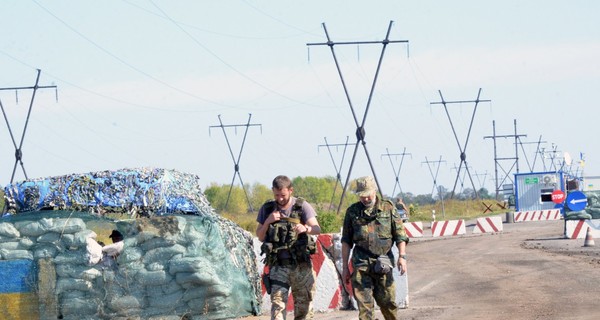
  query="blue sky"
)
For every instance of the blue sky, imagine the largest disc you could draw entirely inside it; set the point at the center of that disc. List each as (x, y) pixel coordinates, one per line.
(140, 83)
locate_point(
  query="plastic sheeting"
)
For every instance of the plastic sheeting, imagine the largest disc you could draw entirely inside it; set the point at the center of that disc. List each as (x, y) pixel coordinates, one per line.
(144, 192)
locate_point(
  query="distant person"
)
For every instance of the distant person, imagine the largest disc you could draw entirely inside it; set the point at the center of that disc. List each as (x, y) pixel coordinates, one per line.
(400, 206)
(284, 226)
(372, 257)
(112, 251)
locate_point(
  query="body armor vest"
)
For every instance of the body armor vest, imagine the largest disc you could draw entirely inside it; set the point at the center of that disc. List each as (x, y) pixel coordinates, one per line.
(282, 246)
(373, 233)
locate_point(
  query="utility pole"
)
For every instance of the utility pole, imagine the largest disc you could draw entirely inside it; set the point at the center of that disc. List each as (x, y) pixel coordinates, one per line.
(338, 177)
(396, 172)
(360, 126)
(435, 184)
(18, 149)
(236, 161)
(497, 159)
(538, 143)
(462, 148)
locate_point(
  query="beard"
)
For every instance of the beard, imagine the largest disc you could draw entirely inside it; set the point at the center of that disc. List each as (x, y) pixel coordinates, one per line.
(368, 204)
(283, 201)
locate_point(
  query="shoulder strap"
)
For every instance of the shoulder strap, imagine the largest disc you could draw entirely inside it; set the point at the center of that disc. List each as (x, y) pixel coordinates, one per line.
(270, 206)
(298, 204)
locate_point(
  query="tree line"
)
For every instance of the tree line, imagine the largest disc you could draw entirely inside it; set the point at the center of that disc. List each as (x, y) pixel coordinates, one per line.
(323, 193)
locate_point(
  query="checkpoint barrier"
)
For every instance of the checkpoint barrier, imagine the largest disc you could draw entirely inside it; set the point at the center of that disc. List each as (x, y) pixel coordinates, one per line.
(328, 290)
(329, 294)
(414, 229)
(538, 215)
(577, 229)
(448, 228)
(488, 224)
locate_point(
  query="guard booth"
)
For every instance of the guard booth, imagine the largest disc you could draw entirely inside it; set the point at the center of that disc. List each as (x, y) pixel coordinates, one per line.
(533, 191)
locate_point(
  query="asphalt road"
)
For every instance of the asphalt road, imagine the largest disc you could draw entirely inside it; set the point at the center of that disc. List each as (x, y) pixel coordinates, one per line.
(527, 271)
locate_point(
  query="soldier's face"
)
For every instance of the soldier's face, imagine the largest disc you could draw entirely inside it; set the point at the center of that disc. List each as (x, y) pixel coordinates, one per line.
(369, 200)
(282, 196)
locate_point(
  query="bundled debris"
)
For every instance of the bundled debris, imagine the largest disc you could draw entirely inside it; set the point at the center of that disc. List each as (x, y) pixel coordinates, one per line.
(194, 266)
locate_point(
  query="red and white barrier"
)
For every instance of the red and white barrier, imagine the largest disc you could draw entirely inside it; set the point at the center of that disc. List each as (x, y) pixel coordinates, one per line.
(414, 229)
(488, 225)
(448, 228)
(577, 229)
(328, 291)
(538, 215)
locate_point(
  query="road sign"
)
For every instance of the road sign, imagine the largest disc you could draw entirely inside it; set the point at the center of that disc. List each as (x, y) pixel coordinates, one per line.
(533, 180)
(558, 196)
(576, 200)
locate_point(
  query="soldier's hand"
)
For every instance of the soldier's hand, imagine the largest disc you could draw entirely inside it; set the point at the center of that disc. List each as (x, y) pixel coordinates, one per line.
(346, 275)
(273, 217)
(300, 228)
(402, 265)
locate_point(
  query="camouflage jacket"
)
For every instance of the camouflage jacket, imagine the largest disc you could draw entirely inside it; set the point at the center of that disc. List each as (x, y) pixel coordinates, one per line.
(374, 230)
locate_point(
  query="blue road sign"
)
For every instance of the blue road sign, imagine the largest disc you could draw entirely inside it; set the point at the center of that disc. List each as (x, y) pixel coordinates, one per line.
(576, 200)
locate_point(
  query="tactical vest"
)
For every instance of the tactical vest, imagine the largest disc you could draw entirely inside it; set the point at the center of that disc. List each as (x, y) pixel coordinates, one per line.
(373, 233)
(281, 237)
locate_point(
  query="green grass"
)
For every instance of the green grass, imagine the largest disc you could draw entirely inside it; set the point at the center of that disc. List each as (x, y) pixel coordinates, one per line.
(331, 222)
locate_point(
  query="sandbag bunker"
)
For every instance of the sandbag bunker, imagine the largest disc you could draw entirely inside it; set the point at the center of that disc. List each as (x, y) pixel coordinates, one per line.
(178, 258)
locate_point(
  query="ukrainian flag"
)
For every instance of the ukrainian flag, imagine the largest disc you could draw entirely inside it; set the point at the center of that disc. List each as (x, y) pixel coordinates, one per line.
(18, 298)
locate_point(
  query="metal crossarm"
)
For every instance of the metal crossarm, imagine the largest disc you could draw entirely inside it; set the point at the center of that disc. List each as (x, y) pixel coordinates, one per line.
(236, 161)
(396, 172)
(338, 177)
(18, 148)
(360, 126)
(462, 148)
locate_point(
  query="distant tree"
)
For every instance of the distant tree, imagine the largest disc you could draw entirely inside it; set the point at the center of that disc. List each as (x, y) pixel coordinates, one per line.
(218, 198)
(422, 199)
(485, 194)
(313, 189)
(259, 195)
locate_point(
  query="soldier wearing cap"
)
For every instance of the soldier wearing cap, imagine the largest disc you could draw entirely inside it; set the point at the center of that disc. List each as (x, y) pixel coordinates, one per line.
(371, 227)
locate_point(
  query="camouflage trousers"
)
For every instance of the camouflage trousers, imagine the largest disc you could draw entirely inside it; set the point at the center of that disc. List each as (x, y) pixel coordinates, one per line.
(367, 285)
(300, 279)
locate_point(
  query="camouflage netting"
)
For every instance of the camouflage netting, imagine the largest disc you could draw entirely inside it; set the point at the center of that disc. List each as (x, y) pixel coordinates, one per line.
(591, 211)
(193, 266)
(144, 191)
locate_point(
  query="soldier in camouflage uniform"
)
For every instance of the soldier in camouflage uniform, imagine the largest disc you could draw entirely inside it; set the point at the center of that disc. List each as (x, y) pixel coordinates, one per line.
(285, 226)
(371, 227)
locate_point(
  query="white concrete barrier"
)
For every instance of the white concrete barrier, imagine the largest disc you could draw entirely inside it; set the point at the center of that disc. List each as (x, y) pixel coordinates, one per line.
(488, 224)
(448, 228)
(414, 229)
(538, 215)
(577, 229)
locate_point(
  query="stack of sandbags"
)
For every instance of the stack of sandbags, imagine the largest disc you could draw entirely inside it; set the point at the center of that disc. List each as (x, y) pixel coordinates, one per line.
(169, 265)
